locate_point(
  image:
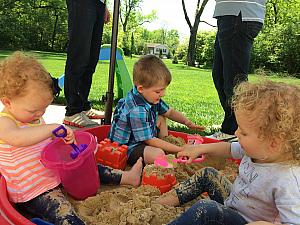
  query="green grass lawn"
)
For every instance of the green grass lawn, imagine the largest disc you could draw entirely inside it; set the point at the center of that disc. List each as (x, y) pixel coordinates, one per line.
(191, 91)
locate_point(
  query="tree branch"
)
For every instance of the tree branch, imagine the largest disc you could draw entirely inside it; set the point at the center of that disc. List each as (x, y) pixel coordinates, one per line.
(146, 21)
(186, 15)
(202, 21)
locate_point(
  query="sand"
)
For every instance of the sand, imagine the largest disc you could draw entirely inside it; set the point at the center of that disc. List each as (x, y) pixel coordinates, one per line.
(125, 205)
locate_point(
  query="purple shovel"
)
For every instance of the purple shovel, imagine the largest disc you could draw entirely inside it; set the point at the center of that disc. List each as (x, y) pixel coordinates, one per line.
(61, 132)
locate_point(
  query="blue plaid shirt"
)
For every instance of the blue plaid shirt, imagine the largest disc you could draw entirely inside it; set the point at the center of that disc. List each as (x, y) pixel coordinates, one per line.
(134, 120)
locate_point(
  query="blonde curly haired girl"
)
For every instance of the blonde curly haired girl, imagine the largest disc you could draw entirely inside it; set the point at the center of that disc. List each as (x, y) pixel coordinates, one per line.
(267, 189)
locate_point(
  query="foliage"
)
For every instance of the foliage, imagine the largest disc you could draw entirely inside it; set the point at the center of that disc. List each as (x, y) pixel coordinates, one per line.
(131, 19)
(175, 60)
(193, 29)
(42, 25)
(30, 24)
(182, 50)
(132, 49)
(277, 48)
(205, 48)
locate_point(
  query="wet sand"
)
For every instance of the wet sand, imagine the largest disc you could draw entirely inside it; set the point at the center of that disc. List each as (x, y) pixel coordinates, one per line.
(125, 205)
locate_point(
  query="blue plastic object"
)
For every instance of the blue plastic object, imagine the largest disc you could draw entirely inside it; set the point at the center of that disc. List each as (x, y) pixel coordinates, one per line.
(39, 221)
(61, 131)
(61, 81)
(105, 54)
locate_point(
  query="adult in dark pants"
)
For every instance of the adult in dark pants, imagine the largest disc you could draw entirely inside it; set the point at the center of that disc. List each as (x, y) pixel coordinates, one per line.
(85, 27)
(239, 22)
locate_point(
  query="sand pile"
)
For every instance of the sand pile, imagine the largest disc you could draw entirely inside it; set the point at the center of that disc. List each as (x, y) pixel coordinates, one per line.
(127, 205)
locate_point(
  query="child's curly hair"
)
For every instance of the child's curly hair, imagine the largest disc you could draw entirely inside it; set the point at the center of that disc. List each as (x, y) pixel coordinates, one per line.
(17, 70)
(274, 107)
(149, 70)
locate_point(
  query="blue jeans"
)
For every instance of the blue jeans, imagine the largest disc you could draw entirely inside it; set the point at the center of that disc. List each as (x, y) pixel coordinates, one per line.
(54, 207)
(206, 212)
(233, 46)
(85, 28)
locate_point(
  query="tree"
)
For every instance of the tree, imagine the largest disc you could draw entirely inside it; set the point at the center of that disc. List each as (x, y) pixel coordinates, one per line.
(277, 47)
(132, 49)
(32, 24)
(172, 40)
(193, 29)
(131, 19)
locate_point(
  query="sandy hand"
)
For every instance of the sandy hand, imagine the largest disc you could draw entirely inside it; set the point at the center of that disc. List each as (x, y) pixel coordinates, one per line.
(194, 126)
(70, 138)
(190, 152)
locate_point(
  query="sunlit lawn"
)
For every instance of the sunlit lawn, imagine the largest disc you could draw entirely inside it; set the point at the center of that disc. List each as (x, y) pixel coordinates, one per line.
(191, 90)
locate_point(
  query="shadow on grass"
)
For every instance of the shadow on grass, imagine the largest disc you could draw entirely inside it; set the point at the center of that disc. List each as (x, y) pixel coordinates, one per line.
(38, 54)
(49, 55)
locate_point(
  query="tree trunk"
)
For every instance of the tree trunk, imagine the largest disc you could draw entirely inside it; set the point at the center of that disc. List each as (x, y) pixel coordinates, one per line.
(54, 31)
(193, 30)
(192, 46)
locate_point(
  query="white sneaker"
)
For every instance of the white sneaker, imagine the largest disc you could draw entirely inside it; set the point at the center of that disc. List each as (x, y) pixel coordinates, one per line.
(94, 114)
(79, 120)
(222, 136)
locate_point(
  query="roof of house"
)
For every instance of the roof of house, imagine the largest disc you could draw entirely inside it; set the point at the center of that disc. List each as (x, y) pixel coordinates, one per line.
(153, 45)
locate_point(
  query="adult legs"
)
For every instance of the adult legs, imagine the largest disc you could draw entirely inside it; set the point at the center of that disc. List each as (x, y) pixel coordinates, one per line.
(233, 45)
(82, 16)
(86, 83)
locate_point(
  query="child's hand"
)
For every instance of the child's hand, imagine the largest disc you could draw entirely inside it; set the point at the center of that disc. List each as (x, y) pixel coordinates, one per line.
(70, 138)
(189, 151)
(193, 126)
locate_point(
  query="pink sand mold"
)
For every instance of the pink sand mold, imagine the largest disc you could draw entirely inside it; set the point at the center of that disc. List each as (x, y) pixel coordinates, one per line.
(162, 161)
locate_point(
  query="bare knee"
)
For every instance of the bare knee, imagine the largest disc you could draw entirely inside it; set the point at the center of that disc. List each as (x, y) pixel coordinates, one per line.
(151, 153)
(162, 125)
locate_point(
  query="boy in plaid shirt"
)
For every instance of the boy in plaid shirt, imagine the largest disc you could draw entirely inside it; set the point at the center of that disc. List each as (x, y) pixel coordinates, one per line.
(139, 119)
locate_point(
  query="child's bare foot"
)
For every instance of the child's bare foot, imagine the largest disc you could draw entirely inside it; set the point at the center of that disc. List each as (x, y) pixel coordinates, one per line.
(133, 176)
(170, 198)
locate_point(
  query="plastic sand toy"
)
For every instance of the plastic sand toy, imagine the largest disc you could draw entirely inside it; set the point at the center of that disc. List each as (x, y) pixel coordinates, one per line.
(79, 176)
(167, 162)
(112, 154)
(162, 179)
(61, 131)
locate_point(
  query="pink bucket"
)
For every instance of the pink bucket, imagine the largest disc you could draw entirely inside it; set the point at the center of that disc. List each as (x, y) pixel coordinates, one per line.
(79, 176)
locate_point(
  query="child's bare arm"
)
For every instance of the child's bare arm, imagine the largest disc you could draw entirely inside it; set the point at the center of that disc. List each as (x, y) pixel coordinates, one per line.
(261, 223)
(166, 146)
(176, 116)
(11, 134)
(221, 149)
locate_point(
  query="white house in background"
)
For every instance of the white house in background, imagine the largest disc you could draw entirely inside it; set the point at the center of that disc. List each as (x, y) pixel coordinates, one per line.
(154, 48)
